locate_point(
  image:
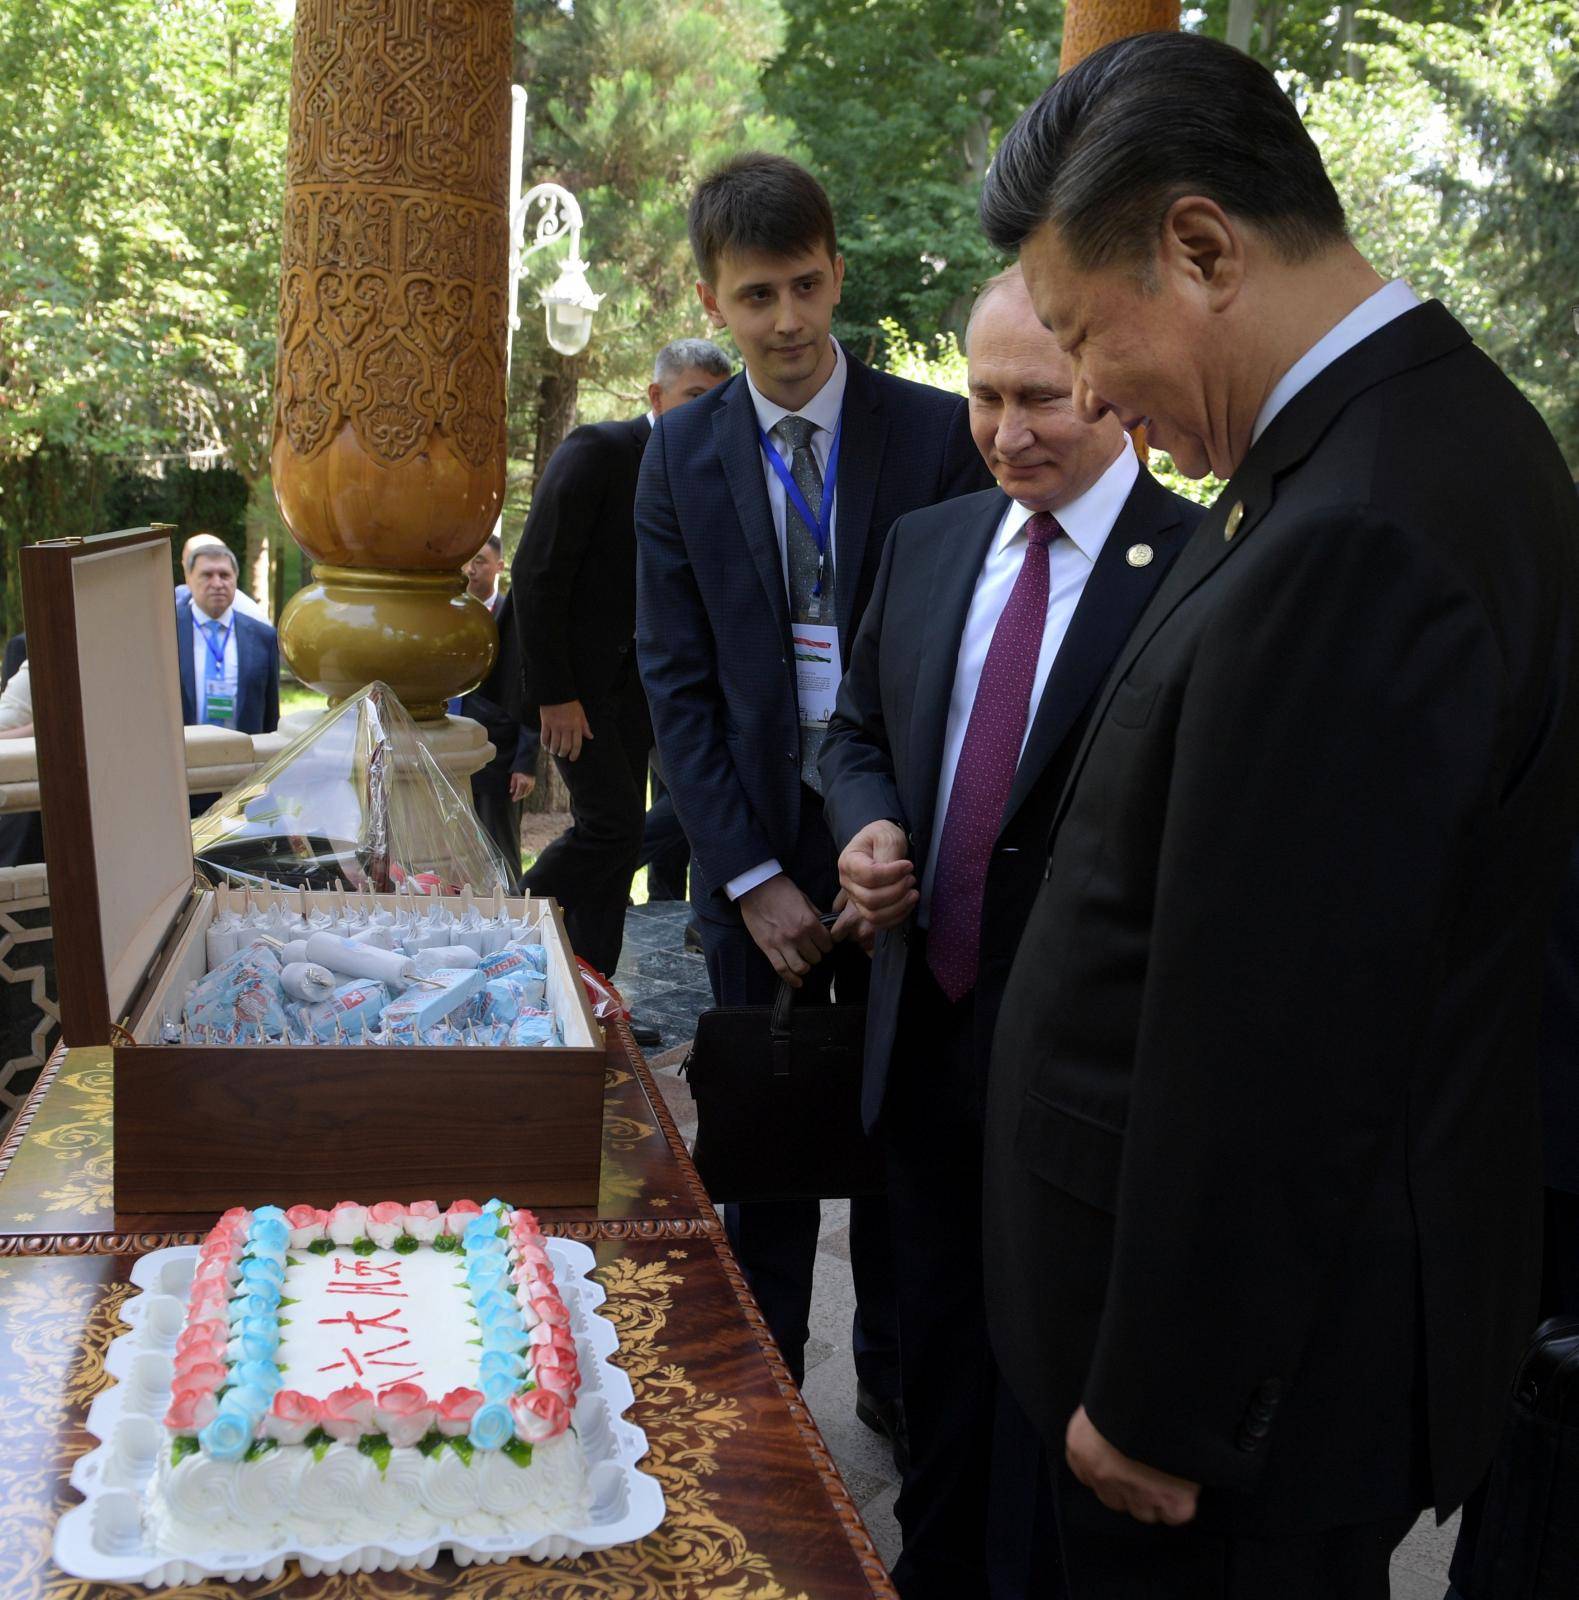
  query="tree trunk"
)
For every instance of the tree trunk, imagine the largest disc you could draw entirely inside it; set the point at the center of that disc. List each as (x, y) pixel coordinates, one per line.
(556, 411)
(1241, 19)
(1349, 65)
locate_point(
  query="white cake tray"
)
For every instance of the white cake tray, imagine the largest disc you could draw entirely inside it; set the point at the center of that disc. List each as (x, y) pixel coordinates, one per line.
(103, 1539)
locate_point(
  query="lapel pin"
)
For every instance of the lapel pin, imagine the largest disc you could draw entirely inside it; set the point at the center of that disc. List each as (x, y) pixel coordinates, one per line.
(1236, 515)
(1139, 555)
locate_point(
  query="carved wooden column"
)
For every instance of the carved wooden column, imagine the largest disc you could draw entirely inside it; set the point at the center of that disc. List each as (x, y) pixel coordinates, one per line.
(1090, 24)
(388, 455)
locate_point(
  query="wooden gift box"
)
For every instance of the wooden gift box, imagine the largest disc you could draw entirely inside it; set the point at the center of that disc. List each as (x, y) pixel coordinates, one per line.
(199, 1128)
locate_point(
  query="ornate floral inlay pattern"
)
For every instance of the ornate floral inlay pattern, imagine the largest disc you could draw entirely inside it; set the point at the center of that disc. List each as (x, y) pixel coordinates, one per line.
(394, 250)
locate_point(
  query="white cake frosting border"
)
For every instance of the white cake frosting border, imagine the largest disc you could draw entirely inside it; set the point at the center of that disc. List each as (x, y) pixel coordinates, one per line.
(103, 1539)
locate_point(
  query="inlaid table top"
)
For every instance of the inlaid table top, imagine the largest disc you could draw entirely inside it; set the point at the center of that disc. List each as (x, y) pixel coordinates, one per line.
(57, 1167)
(754, 1507)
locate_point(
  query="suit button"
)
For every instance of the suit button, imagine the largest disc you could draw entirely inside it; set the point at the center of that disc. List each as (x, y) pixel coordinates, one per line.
(791, 757)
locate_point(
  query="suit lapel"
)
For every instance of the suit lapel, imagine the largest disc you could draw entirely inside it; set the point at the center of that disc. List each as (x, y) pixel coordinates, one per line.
(957, 563)
(183, 656)
(740, 452)
(864, 435)
(1115, 595)
(246, 678)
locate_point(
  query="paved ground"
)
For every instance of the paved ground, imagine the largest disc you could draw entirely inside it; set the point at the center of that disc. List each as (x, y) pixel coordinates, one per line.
(668, 987)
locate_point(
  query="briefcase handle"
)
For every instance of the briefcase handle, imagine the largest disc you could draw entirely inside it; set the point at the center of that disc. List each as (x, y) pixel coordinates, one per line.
(779, 1018)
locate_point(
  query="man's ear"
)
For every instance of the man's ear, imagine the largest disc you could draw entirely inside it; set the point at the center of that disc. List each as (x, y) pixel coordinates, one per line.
(704, 293)
(1202, 246)
(655, 399)
(838, 279)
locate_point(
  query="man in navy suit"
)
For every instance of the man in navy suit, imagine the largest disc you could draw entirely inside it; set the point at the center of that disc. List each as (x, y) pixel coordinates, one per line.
(994, 620)
(761, 507)
(229, 662)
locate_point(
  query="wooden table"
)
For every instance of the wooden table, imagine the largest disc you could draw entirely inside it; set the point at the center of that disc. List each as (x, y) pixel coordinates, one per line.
(57, 1167)
(755, 1508)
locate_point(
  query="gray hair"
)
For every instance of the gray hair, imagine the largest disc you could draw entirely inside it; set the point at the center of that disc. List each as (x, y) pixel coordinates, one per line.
(212, 547)
(683, 354)
(997, 281)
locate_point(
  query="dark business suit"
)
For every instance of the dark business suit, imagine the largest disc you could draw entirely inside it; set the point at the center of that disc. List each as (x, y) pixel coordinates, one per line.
(257, 671)
(496, 704)
(574, 577)
(713, 633)
(882, 759)
(1263, 1180)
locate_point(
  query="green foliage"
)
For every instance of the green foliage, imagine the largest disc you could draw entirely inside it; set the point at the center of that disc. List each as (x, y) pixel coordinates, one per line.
(941, 363)
(900, 106)
(1457, 156)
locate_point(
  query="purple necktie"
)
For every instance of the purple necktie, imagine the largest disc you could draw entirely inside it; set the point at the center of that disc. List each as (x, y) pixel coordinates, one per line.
(985, 772)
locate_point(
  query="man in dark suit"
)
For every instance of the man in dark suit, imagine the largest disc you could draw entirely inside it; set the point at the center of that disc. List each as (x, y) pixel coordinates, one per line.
(994, 620)
(575, 576)
(500, 788)
(763, 507)
(229, 662)
(1262, 1163)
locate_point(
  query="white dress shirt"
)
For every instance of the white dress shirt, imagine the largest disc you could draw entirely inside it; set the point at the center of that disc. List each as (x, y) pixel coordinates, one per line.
(16, 704)
(203, 660)
(1391, 301)
(1086, 521)
(823, 409)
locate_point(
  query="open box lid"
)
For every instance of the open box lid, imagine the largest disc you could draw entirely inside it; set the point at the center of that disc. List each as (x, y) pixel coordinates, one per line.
(100, 617)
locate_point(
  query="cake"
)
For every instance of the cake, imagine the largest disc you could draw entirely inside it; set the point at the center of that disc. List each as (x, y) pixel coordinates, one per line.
(368, 1374)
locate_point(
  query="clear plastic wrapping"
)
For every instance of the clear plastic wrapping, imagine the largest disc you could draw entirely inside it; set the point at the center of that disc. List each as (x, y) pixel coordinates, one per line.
(358, 802)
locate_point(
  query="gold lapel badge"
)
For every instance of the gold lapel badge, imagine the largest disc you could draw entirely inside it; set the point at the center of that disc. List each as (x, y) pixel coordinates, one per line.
(1139, 555)
(1236, 515)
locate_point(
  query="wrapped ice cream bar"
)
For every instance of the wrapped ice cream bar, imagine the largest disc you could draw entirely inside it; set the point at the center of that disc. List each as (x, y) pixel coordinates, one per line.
(351, 1010)
(353, 960)
(444, 955)
(430, 1001)
(306, 980)
(240, 998)
(500, 1001)
(533, 1028)
(293, 953)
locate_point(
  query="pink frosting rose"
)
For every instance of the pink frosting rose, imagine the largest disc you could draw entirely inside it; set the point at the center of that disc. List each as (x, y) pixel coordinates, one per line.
(198, 1370)
(191, 1410)
(423, 1221)
(237, 1217)
(386, 1222)
(551, 1309)
(207, 1301)
(404, 1413)
(459, 1214)
(563, 1381)
(210, 1336)
(348, 1413)
(308, 1225)
(216, 1269)
(455, 1411)
(292, 1416)
(347, 1222)
(539, 1415)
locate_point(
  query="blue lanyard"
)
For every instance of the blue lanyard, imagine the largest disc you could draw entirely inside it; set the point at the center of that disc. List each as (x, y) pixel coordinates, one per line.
(216, 654)
(821, 525)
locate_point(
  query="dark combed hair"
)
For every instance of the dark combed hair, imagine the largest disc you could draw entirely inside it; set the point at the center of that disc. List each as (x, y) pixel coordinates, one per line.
(1141, 122)
(758, 202)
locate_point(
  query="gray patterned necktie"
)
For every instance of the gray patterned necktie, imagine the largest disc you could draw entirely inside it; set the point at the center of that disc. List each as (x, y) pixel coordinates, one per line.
(800, 545)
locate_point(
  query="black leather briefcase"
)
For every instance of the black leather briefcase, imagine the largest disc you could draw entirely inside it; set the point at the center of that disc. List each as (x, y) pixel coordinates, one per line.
(1528, 1545)
(778, 1102)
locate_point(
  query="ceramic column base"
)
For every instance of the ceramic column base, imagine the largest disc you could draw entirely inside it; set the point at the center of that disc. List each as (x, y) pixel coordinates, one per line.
(419, 632)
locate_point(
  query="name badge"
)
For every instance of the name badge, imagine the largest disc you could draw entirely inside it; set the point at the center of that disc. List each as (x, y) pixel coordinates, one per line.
(219, 705)
(817, 670)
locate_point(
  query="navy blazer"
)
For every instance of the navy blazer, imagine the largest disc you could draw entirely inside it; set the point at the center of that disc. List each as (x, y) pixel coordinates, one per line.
(257, 671)
(884, 749)
(712, 611)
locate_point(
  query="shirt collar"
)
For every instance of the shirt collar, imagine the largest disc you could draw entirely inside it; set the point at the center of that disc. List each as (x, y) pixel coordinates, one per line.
(822, 409)
(1375, 311)
(1089, 517)
(202, 619)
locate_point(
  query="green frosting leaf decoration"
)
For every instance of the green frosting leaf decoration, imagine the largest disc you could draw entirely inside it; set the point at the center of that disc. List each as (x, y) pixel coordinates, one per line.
(182, 1446)
(316, 1438)
(375, 1446)
(286, 1300)
(519, 1451)
(431, 1442)
(463, 1447)
(260, 1448)
(321, 1449)
(321, 1247)
(364, 1247)
(446, 1242)
(291, 1261)
(405, 1244)
(474, 1341)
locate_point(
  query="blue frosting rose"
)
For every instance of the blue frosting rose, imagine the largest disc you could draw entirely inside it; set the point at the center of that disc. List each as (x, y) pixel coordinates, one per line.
(261, 1375)
(492, 1426)
(268, 1214)
(250, 1348)
(229, 1435)
(501, 1336)
(256, 1271)
(268, 1233)
(503, 1362)
(262, 1303)
(498, 1386)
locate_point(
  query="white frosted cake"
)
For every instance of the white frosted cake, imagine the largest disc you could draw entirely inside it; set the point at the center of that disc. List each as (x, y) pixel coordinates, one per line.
(369, 1373)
